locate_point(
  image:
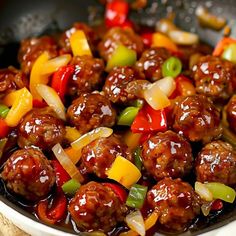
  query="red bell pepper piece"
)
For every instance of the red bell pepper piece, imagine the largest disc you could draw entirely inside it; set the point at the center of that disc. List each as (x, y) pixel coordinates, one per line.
(145, 137)
(222, 44)
(116, 13)
(147, 39)
(217, 205)
(149, 120)
(61, 175)
(119, 191)
(39, 104)
(60, 79)
(127, 24)
(4, 128)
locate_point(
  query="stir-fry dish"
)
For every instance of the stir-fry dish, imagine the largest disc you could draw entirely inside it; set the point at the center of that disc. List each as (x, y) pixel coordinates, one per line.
(120, 129)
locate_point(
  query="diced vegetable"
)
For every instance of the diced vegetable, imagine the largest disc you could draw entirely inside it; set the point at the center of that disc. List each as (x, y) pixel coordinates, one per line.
(73, 154)
(4, 128)
(206, 208)
(166, 85)
(217, 205)
(203, 191)
(131, 139)
(138, 103)
(222, 45)
(127, 116)
(22, 103)
(119, 191)
(66, 163)
(137, 158)
(221, 191)
(39, 104)
(129, 175)
(79, 44)
(183, 38)
(136, 196)
(122, 56)
(160, 40)
(147, 39)
(70, 187)
(52, 99)
(230, 53)
(72, 134)
(165, 26)
(172, 67)
(3, 111)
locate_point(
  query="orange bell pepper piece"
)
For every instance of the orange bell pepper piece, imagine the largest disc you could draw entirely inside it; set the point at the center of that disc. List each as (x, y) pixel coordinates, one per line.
(160, 40)
(221, 45)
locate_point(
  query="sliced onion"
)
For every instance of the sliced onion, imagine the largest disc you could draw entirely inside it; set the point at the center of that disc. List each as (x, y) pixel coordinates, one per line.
(66, 162)
(165, 26)
(52, 99)
(166, 85)
(135, 222)
(101, 132)
(54, 64)
(206, 208)
(183, 37)
(203, 192)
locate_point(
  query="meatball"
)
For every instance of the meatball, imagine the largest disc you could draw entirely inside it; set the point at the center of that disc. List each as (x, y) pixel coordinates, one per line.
(151, 62)
(90, 111)
(215, 77)
(40, 127)
(29, 174)
(96, 207)
(231, 113)
(87, 76)
(175, 201)
(116, 36)
(216, 162)
(11, 79)
(167, 155)
(196, 118)
(117, 81)
(98, 156)
(31, 49)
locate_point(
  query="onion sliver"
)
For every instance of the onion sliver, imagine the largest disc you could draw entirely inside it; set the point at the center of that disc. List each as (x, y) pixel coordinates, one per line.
(183, 37)
(203, 192)
(166, 85)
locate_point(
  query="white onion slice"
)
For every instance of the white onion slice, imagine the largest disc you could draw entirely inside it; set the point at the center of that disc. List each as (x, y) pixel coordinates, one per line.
(166, 85)
(183, 37)
(203, 191)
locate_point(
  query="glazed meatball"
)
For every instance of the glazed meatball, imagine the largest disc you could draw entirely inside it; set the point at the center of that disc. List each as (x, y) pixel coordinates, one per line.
(167, 155)
(151, 62)
(98, 156)
(31, 49)
(231, 113)
(216, 162)
(87, 76)
(96, 207)
(11, 79)
(90, 111)
(175, 201)
(196, 118)
(117, 81)
(116, 36)
(40, 127)
(215, 77)
(29, 174)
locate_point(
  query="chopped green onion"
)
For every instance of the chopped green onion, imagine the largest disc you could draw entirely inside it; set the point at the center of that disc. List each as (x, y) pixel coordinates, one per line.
(137, 158)
(136, 196)
(171, 67)
(221, 191)
(127, 116)
(70, 187)
(122, 56)
(230, 53)
(3, 110)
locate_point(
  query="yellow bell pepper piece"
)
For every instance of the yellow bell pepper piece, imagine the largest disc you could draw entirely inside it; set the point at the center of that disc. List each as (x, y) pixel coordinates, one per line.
(72, 134)
(73, 154)
(11, 97)
(36, 77)
(79, 44)
(160, 40)
(21, 104)
(132, 139)
(124, 172)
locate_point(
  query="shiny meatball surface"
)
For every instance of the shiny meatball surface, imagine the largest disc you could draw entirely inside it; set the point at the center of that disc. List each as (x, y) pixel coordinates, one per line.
(116, 36)
(216, 162)
(117, 81)
(231, 113)
(215, 77)
(96, 207)
(196, 118)
(40, 127)
(90, 111)
(151, 62)
(29, 174)
(175, 201)
(167, 155)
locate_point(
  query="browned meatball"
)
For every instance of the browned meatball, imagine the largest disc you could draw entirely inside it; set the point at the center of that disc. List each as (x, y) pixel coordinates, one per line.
(116, 36)
(151, 62)
(215, 77)
(98, 156)
(11, 79)
(90, 111)
(29, 174)
(231, 113)
(40, 127)
(96, 207)
(175, 201)
(117, 81)
(87, 76)
(216, 162)
(32, 48)
(167, 155)
(196, 118)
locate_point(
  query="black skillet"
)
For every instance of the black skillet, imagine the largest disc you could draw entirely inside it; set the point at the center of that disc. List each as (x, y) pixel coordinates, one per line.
(24, 18)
